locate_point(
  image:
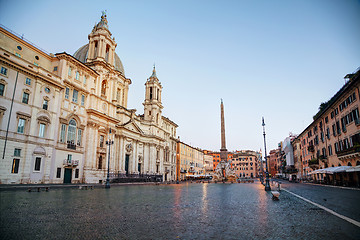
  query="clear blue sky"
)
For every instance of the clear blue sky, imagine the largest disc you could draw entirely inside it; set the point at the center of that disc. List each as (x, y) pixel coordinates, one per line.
(277, 59)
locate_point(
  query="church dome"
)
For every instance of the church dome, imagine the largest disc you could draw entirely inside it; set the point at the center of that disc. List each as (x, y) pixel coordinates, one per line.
(82, 53)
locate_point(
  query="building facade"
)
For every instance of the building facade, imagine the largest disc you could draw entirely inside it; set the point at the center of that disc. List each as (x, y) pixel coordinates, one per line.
(69, 115)
(191, 161)
(333, 138)
(245, 164)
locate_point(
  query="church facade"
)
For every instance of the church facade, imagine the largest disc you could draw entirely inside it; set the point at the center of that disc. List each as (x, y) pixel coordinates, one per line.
(59, 114)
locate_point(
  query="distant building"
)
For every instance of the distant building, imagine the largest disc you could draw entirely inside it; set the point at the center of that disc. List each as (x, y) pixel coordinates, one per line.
(191, 161)
(245, 163)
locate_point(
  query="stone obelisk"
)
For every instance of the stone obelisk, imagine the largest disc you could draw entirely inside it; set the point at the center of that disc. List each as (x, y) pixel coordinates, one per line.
(223, 150)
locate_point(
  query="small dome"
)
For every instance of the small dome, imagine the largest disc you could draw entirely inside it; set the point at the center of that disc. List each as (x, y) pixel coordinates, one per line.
(82, 53)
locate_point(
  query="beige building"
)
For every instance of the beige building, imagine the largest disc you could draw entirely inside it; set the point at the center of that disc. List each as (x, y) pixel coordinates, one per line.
(191, 161)
(245, 163)
(67, 108)
(333, 138)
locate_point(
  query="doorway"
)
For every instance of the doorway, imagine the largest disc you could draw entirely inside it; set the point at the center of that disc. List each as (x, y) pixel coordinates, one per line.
(67, 175)
(127, 164)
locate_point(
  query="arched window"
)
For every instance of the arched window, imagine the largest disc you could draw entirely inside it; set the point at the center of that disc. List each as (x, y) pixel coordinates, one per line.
(103, 88)
(349, 164)
(71, 135)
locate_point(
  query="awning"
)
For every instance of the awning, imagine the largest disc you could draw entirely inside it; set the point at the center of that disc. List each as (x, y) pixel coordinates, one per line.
(354, 169)
(332, 170)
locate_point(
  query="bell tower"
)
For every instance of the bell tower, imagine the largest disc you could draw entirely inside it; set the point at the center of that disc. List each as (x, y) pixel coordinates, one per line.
(152, 103)
(101, 45)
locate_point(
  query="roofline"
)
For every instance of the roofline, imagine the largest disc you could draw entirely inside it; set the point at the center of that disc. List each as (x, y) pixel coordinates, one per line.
(65, 53)
(355, 78)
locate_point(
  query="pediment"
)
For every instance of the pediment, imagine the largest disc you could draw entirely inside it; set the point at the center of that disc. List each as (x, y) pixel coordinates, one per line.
(132, 126)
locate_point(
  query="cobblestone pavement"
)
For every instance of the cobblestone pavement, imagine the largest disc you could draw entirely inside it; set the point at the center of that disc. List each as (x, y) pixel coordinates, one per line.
(183, 211)
(345, 201)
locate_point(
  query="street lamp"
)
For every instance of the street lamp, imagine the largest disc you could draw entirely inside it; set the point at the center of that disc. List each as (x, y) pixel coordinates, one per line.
(267, 185)
(109, 142)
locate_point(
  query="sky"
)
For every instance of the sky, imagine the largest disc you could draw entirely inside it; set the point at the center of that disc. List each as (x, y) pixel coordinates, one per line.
(274, 59)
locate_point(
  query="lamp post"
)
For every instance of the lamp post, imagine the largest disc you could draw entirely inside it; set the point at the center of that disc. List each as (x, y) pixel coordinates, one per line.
(267, 185)
(109, 143)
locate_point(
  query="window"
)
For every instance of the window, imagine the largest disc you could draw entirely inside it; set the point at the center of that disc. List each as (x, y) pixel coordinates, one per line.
(69, 73)
(76, 173)
(336, 111)
(338, 127)
(79, 137)
(326, 119)
(15, 165)
(21, 125)
(330, 150)
(25, 98)
(2, 89)
(75, 96)
(62, 133)
(84, 80)
(45, 104)
(67, 90)
(328, 133)
(47, 90)
(71, 132)
(17, 152)
(55, 69)
(151, 93)
(41, 130)
(4, 71)
(58, 172)
(77, 75)
(82, 100)
(336, 147)
(101, 141)
(19, 47)
(28, 81)
(37, 164)
(103, 88)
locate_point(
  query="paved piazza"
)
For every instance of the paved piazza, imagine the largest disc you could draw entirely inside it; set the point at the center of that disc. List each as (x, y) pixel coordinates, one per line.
(183, 211)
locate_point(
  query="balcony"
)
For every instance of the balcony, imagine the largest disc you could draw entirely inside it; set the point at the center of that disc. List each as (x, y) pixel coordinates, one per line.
(68, 162)
(323, 158)
(71, 145)
(313, 162)
(349, 153)
(311, 148)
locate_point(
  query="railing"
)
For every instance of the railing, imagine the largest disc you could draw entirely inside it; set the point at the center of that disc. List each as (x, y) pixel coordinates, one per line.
(68, 162)
(311, 148)
(351, 150)
(314, 161)
(123, 177)
(71, 145)
(323, 157)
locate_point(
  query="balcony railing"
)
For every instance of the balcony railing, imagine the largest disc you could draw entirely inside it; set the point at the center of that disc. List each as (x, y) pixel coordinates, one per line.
(123, 177)
(71, 145)
(68, 162)
(314, 161)
(311, 148)
(348, 151)
(323, 158)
